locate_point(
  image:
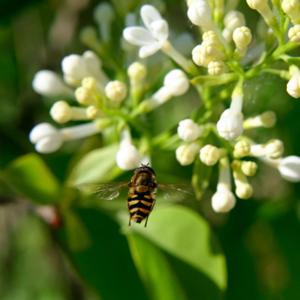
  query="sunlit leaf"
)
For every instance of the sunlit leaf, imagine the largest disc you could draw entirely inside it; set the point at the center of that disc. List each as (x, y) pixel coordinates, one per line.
(186, 236)
(31, 177)
(96, 166)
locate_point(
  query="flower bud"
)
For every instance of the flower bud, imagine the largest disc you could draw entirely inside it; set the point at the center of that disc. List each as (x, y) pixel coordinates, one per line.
(274, 149)
(223, 200)
(216, 68)
(292, 9)
(244, 190)
(116, 91)
(46, 138)
(230, 124)
(293, 86)
(241, 149)
(49, 84)
(294, 34)
(128, 157)
(137, 71)
(257, 4)
(210, 155)
(84, 96)
(266, 119)
(242, 37)
(234, 19)
(61, 112)
(199, 14)
(188, 130)
(186, 154)
(176, 82)
(249, 168)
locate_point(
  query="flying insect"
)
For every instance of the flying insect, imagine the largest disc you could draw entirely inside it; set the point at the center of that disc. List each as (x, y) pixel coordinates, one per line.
(142, 190)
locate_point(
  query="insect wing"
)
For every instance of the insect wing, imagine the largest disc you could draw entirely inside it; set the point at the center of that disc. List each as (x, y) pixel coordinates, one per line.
(105, 191)
(175, 192)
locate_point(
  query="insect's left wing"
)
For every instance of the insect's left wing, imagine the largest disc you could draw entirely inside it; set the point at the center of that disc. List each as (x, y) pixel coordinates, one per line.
(104, 191)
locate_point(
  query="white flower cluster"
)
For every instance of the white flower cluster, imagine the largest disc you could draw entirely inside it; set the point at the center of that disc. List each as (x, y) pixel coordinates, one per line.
(228, 54)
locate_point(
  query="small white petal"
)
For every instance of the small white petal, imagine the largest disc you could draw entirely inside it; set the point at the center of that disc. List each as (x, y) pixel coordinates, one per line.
(138, 36)
(149, 14)
(148, 50)
(160, 30)
(289, 168)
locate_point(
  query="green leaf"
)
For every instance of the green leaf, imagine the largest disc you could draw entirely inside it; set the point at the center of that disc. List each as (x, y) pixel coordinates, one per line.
(200, 178)
(97, 166)
(155, 269)
(186, 236)
(30, 176)
(106, 265)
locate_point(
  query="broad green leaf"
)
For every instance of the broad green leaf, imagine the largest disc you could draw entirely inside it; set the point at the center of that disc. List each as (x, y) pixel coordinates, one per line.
(97, 166)
(30, 176)
(106, 265)
(186, 235)
(155, 270)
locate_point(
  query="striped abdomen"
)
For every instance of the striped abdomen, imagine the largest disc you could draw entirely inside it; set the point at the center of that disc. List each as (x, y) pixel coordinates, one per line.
(140, 205)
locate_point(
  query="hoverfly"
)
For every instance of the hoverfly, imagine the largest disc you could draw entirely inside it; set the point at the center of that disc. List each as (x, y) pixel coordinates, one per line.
(142, 190)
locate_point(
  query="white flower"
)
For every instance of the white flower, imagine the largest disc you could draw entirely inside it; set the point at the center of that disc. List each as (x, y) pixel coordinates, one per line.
(116, 91)
(128, 157)
(272, 149)
(262, 6)
(199, 14)
(292, 9)
(137, 72)
(49, 84)
(176, 82)
(46, 138)
(289, 168)
(230, 124)
(294, 33)
(242, 187)
(151, 38)
(233, 19)
(209, 50)
(242, 37)
(188, 130)
(77, 67)
(186, 154)
(223, 200)
(266, 119)
(209, 155)
(62, 112)
(293, 85)
(216, 67)
(249, 168)
(241, 148)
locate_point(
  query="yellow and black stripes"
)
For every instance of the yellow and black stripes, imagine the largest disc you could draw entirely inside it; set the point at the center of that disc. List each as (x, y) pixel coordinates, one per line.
(140, 205)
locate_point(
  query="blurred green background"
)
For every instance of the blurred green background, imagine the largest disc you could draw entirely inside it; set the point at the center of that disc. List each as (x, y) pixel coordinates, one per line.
(187, 251)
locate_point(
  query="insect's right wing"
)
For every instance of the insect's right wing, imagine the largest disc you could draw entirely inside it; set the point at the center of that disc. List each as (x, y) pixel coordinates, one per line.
(175, 192)
(104, 191)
